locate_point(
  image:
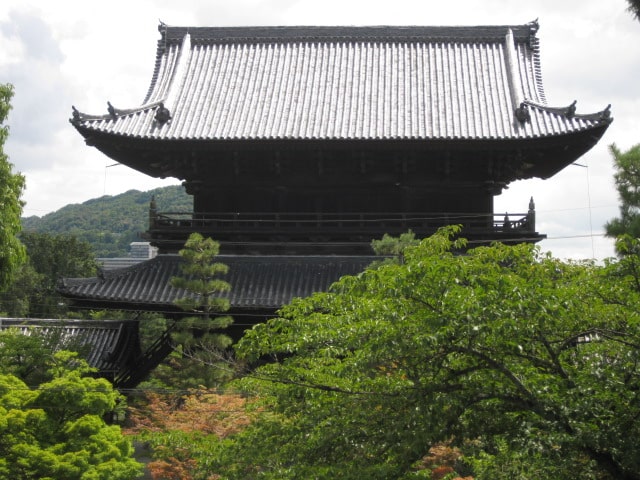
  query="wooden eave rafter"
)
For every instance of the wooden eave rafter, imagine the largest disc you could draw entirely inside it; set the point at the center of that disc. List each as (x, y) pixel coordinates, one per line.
(163, 158)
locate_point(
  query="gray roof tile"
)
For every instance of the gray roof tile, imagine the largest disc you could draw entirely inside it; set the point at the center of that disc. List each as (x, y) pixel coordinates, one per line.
(108, 345)
(345, 83)
(256, 281)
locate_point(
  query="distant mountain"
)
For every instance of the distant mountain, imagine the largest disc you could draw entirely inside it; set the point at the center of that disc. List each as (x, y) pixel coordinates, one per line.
(111, 223)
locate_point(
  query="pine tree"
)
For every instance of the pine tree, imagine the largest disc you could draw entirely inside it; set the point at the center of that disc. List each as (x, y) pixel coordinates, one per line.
(634, 8)
(627, 180)
(199, 341)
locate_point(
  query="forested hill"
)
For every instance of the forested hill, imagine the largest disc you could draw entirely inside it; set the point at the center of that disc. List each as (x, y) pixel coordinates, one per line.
(110, 223)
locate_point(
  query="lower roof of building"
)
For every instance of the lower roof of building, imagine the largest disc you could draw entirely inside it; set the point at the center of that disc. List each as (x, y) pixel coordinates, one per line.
(257, 281)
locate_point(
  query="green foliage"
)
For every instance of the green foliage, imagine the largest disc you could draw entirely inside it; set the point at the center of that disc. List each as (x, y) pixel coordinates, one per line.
(110, 223)
(634, 8)
(389, 245)
(23, 291)
(27, 357)
(200, 277)
(500, 460)
(57, 256)
(58, 430)
(50, 257)
(12, 253)
(201, 347)
(627, 180)
(526, 362)
(393, 247)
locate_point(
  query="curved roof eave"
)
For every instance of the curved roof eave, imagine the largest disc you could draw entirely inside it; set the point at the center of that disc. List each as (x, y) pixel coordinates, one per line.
(257, 281)
(87, 126)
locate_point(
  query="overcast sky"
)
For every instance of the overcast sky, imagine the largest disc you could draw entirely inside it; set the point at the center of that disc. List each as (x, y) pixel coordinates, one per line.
(85, 53)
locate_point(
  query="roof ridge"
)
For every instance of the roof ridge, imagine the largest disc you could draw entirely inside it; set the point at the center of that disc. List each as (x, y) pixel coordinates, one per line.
(121, 272)
(301, 33)
(24, 321)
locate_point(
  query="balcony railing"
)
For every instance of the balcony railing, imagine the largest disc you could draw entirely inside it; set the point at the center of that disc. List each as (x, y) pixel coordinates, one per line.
(338, 222)
(273, 230)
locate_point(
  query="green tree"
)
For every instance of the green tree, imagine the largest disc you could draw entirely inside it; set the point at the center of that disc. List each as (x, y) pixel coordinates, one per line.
(28, 357)
(58, 430)
(201, 346)
(50, 257)
(634, 8)
(627, 180)
(525, 362)
(11, 186)
(394, 246)
(23, 291)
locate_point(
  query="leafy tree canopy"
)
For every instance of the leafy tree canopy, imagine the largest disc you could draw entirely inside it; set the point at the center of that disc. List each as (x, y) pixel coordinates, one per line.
(531, 366)
(28, 356)
(627, 180)
(57, 430)
(12, 253)
(50, 257)
(389, 245)
(60, 255)
(634, 8)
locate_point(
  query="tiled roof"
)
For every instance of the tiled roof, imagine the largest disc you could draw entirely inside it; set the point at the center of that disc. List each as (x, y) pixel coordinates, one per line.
(344, 83)
(113, 263)
(107, 345)
(256, 281)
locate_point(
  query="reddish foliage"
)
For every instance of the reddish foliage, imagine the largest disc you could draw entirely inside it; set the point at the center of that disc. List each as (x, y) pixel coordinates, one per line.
(442, 454)
(438, 473)
(171, 470)
(441, 461)
(204, 412)
(201, 411)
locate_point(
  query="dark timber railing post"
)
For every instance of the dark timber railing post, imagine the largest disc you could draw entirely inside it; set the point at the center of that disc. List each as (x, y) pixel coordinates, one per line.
(531, 216)
(153, 213)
